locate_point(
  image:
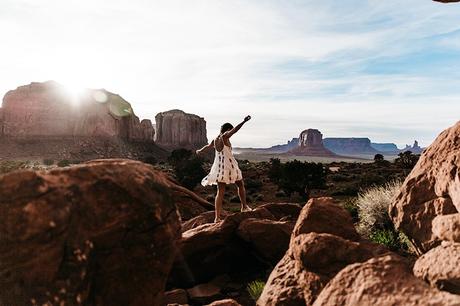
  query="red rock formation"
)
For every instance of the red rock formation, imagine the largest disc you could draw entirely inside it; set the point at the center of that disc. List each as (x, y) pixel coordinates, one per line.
(447, 1)
(100, 233)
(311, 144)
(46, 109)
(431, 189)
(177, 129)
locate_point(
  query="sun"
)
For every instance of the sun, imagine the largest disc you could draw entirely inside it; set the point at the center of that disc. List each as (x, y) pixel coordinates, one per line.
(74, 90)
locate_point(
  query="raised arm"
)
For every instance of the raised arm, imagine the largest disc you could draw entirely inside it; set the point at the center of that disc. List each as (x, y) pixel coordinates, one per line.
(205, 148)
(229, 134)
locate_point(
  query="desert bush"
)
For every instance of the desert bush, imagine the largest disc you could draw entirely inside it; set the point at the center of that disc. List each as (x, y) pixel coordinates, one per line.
(255, 289)
(150, 160)
(188, 168)
(378, 158)
(387, 237)
(12, 165)
(251, 183)
(407, 160)
(339, 177)
(297, 176)
(352, 208)
(373, 206)
(63, 163)
(48, 162)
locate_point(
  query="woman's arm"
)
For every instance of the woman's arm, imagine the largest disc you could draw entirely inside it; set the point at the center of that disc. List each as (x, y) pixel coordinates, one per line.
(205, 148)
(229, 134)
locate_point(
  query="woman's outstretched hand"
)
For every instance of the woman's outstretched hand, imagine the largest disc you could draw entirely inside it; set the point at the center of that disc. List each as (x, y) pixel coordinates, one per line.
(247, 118)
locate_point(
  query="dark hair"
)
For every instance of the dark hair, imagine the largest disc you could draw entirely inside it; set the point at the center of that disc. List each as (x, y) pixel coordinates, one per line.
(226, 127)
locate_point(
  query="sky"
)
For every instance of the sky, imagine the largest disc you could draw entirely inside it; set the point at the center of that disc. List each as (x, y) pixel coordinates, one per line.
(388, 70)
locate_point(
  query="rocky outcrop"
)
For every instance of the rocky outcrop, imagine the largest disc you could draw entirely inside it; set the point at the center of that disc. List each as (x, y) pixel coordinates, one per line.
(431, 189)
(385, 281)
(239, 243)
(177, 129)
(100, 233)
(311, 144)
(48, 110)
(447, 1)
(349, 146)
(440, 267)
(323, 242)
(415, 148)
(447, 227)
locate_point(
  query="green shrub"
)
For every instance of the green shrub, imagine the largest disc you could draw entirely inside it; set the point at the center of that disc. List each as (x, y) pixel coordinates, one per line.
(352, 208)
(255, 289)
(253, 183)
(387, 237)
(48, 162)
(188, 168)
(12, 165)
(297, 176)
(63, 163)
(407, 160)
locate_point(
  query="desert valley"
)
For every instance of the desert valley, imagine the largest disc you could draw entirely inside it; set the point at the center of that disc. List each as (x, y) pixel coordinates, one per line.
(229, 153)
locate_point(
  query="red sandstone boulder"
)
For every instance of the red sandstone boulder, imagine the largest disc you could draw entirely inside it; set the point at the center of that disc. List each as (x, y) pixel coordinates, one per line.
(447, 227)
(211, 249)
(322, 243)
(100, 233)
(441, 267)
(431, 189)
(311, 261)
(323, 215)
(382, 281)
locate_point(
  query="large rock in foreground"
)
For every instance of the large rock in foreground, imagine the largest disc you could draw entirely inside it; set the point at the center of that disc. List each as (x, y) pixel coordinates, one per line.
(441, 267)
(177, 129)
(431, 189)
(323, 242)
(383, 281)
(241, 242)
(100, 233)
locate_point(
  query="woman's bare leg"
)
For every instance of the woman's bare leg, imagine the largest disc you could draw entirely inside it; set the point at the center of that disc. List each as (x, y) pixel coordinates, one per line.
(242, 195)
(219, 200)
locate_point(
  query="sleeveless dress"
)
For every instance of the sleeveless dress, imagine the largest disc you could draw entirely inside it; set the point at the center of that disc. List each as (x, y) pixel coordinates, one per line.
(224, 169)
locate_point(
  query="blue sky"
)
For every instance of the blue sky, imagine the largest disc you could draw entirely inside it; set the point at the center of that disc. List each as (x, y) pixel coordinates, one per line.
(388, 70)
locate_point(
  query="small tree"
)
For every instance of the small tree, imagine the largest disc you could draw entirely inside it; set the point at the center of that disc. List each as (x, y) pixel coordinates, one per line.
(378, 158)
(188, 168)
(407, 159)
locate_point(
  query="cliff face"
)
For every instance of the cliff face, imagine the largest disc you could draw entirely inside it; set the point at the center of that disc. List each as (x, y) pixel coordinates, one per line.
(177, 129)
(311, 144)
(349, 145)
(385, 147)
(47, 110)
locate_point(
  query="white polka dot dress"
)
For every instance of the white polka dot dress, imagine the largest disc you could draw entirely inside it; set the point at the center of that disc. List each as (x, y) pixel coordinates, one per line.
(224, 169)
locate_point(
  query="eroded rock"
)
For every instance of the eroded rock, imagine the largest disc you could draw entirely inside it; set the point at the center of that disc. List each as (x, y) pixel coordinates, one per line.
(100, 233)
(441, 267)
(447, 227)
(386, 280)
(431, 189)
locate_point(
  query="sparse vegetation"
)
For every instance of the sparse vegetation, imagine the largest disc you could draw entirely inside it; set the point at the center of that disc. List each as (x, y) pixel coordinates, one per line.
(255, 289)
(297, 176)
(48, 162)
(187, 167)
(407, 160)
(64, 163)
(374, 221)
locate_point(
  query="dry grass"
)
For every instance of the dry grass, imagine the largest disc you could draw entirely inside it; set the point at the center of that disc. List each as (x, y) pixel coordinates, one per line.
(373, 207)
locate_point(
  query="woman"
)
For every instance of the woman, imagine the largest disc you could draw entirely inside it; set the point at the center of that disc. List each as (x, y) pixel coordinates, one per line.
(225, 168)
